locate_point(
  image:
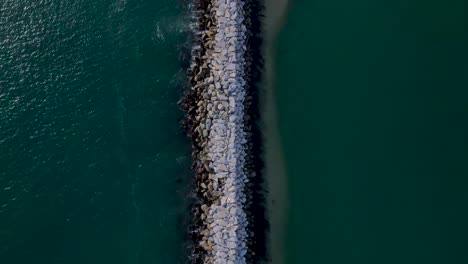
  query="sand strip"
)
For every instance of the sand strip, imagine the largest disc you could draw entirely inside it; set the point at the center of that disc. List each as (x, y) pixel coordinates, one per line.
(275, 170)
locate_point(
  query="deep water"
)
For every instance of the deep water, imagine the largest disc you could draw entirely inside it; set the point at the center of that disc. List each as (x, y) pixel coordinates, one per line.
(372, 100)
(93, 165)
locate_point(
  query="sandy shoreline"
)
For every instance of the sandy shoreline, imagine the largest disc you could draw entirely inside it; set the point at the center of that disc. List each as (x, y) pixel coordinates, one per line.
(275, 170)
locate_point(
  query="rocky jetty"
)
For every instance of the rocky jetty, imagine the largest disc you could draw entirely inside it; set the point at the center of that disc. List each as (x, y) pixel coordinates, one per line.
(219, 121)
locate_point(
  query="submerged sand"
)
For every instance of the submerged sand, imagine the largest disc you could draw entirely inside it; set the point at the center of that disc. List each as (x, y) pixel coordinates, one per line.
(275, 170)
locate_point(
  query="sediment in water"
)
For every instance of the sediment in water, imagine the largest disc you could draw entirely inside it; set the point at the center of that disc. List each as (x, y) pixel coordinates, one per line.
(222, 112)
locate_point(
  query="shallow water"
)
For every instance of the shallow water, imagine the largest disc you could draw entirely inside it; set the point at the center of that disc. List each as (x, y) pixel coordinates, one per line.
(275, 172)
(371, 97)
(93, 165)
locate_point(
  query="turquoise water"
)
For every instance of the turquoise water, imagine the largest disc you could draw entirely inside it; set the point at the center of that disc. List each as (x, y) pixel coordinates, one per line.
(372, 99)
(93, 165)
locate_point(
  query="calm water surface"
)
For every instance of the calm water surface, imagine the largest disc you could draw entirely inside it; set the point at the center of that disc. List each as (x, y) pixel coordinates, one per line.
(372, 99)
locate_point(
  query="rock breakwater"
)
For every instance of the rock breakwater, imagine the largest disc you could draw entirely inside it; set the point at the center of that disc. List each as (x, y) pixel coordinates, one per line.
(219, 121)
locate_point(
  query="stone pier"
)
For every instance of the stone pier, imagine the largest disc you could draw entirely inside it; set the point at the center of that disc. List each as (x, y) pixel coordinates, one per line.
(216, 108)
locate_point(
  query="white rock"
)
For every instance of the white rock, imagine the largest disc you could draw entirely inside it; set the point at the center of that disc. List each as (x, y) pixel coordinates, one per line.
(231, 245)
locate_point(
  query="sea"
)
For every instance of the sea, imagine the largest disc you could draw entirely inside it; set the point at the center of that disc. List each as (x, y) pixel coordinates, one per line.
(94, 167)
(372, 107)
(371, 101)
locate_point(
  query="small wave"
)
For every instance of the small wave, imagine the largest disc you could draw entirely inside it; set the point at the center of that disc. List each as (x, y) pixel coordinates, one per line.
(169, 27)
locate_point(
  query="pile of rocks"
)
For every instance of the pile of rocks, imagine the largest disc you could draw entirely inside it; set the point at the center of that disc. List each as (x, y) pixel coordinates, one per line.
(217, 125)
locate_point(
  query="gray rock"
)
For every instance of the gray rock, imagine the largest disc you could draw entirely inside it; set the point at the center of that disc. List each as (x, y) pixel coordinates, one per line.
(220, 261)
(222, 167)
(231, 245)
(221, 214)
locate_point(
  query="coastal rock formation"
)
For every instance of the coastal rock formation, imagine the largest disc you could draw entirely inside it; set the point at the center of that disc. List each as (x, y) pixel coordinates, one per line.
(218, 123)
